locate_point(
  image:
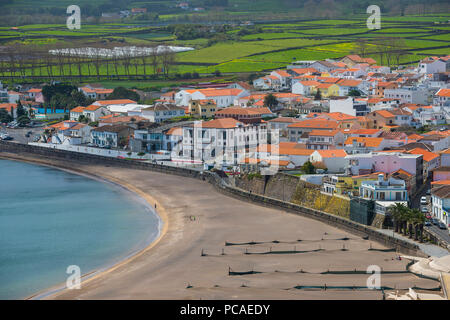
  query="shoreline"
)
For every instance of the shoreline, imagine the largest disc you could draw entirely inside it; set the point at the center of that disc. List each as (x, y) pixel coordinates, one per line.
(191, 259)
(151, 203)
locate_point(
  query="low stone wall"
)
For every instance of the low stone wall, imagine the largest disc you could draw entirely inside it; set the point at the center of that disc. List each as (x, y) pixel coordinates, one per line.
(221, 186)
(435, 239)
(94, 159)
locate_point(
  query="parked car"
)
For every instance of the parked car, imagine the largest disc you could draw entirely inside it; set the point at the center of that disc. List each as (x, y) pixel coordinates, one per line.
(435, 221)
(427, 223)
(442, 226)
(424, 210)
(428, 192)
(423, 200)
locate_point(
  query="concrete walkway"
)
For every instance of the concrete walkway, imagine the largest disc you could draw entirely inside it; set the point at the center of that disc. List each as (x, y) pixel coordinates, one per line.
(430, 249)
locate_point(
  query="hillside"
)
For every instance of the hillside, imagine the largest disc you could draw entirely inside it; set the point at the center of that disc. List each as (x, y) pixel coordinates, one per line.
(338, 8)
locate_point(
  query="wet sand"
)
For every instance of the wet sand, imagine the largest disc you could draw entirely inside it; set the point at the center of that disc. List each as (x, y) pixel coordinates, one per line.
(199, 220)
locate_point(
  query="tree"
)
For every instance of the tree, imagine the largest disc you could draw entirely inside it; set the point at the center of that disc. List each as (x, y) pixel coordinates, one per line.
(308, 168)
(398, 213)
(5, 117)
(20, 110)
(318, 95)
(167, 60)
(123, 93)
(23, 120)
(354, 93)
(270, 101)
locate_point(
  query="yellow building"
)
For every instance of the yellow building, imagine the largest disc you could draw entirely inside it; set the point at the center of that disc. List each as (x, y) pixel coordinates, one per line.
(202, 108)
(343, 185)
(327, 89)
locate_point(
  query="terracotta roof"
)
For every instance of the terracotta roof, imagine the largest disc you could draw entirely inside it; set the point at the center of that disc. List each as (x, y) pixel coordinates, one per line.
(225, 123)
(327, 133)
(415, 136)
(336, 153)
(304, 70)
(92, 107)
(349, 83)
(285, 120)
(367, 131)
(176, 131)
(315, 124)
(310, 83)
(427, 155)
(123, 119)
(8, 106)
(283, 73)
(77, 109)
(367, 141)
(385, 113)
(238, 111)
(403, 172)
(339, 116)
(441, 182)
(34, 90)
(112, 102)
(442, 192)
(288, 148)
(443, 93)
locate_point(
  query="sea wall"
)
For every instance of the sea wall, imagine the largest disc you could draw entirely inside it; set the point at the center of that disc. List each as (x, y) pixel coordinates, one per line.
(222, 186)
(290, 188)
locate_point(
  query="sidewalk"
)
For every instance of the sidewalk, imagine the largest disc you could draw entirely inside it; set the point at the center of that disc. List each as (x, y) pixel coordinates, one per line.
(429, 249)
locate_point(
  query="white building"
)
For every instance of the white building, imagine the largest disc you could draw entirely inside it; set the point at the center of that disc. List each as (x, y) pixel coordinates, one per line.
(333, 160)
(408, 95)
(221, 141)
(384, 190)
(440, 199)
(431, 66)
(161, 112)
(441, 97)
(222, 97)
(387, 162)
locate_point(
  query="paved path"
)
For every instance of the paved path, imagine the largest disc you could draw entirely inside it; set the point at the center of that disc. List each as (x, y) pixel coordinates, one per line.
(429, 249)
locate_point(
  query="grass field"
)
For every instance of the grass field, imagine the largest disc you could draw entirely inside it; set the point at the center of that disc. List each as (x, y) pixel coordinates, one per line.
(277, 45)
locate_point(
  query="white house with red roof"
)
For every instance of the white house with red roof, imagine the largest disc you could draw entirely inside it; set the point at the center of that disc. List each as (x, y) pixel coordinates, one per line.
(325, 139)
(284, 76)
(94, 112)
(333, 160)
(431, 65)
(36, 95)
(441, 97)
(223, 97)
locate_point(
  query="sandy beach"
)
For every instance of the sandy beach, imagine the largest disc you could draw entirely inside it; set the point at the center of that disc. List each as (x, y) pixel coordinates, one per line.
(191, 260)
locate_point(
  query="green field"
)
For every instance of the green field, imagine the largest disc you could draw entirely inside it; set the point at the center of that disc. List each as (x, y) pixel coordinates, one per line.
(264, 46)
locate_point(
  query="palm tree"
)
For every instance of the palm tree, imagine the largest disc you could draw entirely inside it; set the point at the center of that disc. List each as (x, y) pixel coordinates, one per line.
(398, 212)
(418, 220)
(410, 220)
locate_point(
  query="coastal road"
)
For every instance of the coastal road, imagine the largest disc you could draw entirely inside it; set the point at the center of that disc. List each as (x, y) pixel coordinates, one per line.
(441, 233)
(19, 134)
(208, 234)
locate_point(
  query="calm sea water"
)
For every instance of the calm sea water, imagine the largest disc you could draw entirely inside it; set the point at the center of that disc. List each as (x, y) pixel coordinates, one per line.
(51, 219)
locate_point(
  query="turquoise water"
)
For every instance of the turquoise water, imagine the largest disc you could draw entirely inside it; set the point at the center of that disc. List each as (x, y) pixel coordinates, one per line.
(51, 219)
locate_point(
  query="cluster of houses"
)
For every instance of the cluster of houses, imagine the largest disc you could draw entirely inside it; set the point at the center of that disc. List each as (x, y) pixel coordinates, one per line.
(368, 131)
